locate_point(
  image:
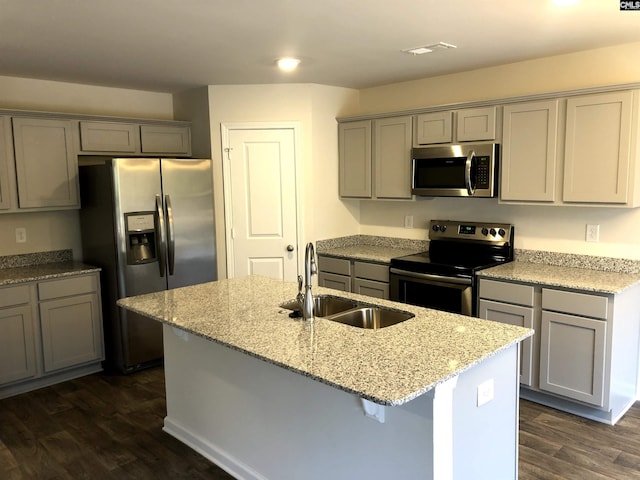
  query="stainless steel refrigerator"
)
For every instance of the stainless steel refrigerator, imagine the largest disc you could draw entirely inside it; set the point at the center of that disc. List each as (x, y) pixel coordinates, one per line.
(149, 224)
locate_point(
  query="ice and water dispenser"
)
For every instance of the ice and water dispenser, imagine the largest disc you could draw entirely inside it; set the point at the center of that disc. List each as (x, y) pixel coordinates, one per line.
(141, 237)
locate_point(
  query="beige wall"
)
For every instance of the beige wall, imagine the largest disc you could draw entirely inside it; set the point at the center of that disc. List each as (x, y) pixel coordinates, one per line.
(604, 66)
(61, 230)
(560, 229)
(314, 108)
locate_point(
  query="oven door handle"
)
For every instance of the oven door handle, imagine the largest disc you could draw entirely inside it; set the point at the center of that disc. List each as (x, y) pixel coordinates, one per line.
(427, 276)
(467, 172)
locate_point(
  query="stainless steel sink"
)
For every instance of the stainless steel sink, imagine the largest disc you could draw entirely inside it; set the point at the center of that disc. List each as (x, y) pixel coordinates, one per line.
(371, 317)
(350, 312)
(324, 305)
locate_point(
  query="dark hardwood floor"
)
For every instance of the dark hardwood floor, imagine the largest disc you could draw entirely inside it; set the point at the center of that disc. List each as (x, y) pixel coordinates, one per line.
(110, 427)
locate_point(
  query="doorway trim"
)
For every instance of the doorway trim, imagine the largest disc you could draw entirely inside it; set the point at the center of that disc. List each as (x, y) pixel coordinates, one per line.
(225, 128)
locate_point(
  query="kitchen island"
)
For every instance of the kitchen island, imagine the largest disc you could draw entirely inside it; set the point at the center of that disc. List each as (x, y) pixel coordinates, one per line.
(265, 396)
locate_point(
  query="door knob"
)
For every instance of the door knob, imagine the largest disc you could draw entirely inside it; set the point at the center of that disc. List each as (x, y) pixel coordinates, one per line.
(290, 248)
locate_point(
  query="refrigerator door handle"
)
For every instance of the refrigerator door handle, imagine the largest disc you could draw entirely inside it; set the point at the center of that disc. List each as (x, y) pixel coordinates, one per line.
(160, 235)
(171, 240)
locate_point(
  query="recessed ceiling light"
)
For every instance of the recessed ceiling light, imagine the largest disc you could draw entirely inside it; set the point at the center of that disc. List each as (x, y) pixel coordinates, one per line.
(288, 64)
(429, 48)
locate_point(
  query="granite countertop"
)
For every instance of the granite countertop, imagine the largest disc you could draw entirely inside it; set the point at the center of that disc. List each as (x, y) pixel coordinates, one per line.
(45, 271)
(390, 366)
(561, 276)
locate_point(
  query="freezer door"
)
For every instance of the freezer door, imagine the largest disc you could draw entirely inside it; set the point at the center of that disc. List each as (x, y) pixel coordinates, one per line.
(137, 186)
(187, 186)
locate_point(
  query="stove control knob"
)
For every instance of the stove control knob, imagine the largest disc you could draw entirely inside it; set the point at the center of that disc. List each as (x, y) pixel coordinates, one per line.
(485, 231)
(501, 232)
(443, 228)
(435, 228)
(493, 232)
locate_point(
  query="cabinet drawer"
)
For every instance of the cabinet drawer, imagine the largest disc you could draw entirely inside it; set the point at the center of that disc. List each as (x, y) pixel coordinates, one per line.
(10, 296)
(67, 286)
(372, 271)
(583, 304)
(334, 265)
(507, 292)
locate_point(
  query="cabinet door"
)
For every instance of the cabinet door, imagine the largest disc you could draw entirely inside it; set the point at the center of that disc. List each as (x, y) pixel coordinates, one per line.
(572, 357)
(598, 148)
(371, 288)
(46, 163)
(337, 282)
(165, 139)
(476, 124)
(7, 175)
(109, 137)
(354, 140)
(71, 331)
(436, 127)
(529, 151)
(392, 157)
(513, 315)
(17, 344)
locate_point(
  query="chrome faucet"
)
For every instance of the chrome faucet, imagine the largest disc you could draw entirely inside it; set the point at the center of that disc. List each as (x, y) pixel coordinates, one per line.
(309, 269)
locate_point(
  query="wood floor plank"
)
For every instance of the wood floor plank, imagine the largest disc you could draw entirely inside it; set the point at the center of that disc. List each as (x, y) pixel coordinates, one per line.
(110, 427)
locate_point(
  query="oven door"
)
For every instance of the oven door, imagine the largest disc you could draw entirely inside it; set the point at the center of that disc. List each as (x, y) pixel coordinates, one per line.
(451, 294)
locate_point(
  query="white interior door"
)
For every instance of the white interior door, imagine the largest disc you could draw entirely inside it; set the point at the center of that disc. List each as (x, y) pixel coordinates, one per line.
(262, 196)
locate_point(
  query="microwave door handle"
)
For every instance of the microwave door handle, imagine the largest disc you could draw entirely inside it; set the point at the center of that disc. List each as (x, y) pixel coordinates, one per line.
(467, 172)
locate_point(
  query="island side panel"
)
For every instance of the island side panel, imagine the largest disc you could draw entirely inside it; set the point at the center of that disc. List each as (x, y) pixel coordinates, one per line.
(485, 437)
(260, 421)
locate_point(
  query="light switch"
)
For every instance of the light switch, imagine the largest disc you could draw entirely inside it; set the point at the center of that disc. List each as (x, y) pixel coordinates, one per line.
(21, 235)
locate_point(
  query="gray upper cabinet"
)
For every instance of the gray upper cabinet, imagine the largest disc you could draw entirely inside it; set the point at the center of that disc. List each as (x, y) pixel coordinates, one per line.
(601, 149)
(7, 165)
(436, 127)
(109, 137)
(465, 125)
(529, 151)
(354, 147)
(46, 163)
(134, 138)
(392, 157)
(165, 139)
(375, 158)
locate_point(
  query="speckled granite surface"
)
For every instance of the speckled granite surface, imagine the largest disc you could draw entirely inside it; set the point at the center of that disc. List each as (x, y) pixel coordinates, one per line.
(32, 273)
(566, 277)
(27, 259)
(591, 262)
(390, 366)
(370, 248)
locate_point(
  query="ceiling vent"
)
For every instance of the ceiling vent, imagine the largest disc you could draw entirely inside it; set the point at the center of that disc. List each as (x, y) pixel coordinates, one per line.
(429, 48)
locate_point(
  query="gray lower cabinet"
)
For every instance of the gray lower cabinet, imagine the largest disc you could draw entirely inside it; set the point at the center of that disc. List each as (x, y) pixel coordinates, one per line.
(366, 278)
(50, 331)
(17, 337)
(584, 355)
(70, 322)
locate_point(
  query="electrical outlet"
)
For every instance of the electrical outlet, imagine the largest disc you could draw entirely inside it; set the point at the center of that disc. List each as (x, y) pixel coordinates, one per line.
(21, 235)
(593, 233)
(408, 221)
(485, 392)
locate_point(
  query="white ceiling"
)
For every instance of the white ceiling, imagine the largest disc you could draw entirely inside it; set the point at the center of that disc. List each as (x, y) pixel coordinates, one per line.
(173, 45)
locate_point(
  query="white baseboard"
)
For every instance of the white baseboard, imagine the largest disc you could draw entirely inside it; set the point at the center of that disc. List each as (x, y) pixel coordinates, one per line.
(210, 451)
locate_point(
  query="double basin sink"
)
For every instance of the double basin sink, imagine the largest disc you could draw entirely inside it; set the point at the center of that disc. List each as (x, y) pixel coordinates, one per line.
(350, 312)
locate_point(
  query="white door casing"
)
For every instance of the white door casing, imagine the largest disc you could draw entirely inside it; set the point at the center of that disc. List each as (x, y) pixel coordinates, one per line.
(259, 163)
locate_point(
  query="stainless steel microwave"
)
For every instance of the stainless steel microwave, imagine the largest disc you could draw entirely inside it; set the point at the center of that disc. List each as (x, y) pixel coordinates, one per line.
(466, 170)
